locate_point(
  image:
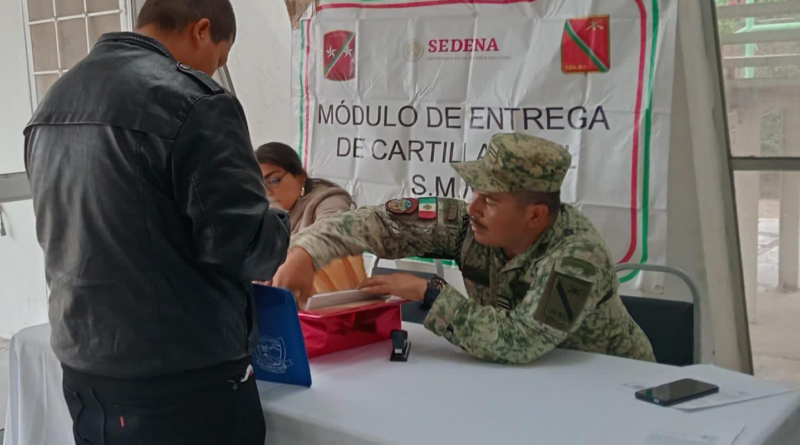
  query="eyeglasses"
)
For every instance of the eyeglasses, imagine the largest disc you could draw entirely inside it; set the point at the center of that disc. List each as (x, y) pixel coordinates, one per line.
(271, 183)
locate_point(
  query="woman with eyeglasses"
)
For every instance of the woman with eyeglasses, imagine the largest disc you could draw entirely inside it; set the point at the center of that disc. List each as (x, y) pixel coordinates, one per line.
(289, 187)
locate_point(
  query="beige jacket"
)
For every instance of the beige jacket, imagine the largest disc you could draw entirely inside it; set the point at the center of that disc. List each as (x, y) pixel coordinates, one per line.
(322, 202)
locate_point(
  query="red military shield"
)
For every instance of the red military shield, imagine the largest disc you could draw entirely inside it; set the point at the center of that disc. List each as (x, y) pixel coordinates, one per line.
(340, 55)
(586, 45)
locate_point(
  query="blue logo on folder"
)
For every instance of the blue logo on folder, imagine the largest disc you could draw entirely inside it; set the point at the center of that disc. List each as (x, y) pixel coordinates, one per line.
(280, 356)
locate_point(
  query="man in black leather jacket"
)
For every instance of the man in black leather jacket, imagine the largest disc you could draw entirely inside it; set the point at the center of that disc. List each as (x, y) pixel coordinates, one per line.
(154, 220)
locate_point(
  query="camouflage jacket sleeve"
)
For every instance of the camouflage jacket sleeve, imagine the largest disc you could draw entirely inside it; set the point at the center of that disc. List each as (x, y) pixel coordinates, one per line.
(390, 236)
(563, 288)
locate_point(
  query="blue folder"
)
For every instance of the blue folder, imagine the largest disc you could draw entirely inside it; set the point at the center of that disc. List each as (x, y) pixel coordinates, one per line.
(281, 353)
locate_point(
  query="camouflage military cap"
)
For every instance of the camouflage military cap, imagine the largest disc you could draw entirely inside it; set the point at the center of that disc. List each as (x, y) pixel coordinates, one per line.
(517, 162)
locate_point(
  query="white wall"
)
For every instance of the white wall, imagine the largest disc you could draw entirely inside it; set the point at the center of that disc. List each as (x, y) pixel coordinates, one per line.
(23, 296)
(15, 99)
(260, 66)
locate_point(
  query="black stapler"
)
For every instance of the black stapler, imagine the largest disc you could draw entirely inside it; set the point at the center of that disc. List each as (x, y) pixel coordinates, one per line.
(401, 347)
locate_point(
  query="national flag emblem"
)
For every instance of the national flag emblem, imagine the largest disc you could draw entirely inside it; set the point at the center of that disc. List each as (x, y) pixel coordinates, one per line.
(427, 208)
(586, 45)
(340, 55)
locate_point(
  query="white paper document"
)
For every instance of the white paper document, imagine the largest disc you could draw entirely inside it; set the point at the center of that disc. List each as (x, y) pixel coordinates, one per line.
(716, 435)
(733, 387)
(331, 299)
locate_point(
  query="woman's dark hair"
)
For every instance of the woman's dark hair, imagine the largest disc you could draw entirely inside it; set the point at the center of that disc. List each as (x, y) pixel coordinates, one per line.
(284, 156)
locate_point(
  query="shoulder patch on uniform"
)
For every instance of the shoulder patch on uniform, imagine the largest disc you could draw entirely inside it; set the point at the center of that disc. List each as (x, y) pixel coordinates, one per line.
(405, 210)
(210, 84)
(576, 267)
(563, 300)
(448, 212)
(428, 208)
(403, 206)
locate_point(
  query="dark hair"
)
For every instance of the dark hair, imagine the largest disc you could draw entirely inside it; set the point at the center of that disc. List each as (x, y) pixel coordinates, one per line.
(173, 15)
(552, 200)
(284, 156)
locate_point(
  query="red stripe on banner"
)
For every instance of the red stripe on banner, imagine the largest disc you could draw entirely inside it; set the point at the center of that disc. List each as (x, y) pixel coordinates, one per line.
(636, 130)
(308, 98)
(420, 4)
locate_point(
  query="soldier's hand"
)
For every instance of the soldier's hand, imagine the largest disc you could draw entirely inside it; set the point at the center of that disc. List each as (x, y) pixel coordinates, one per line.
(297, 275)
(406, 286)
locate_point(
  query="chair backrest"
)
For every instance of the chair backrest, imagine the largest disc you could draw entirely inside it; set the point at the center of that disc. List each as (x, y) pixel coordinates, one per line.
(668, 321)
(668, 324)
(412, 312)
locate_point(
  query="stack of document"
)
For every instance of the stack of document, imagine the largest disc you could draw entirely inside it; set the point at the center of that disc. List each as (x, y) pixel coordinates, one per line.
(348, 299)
(336, 288)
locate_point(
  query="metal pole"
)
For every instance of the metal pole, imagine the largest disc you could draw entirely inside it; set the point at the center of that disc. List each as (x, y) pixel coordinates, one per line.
(746, 129)
(750, 48)
(789, 232)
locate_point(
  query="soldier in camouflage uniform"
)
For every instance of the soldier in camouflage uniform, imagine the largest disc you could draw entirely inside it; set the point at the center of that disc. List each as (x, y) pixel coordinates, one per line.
(538, 274)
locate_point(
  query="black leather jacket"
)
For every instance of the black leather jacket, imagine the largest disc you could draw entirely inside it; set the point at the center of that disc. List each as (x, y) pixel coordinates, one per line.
(151, 212)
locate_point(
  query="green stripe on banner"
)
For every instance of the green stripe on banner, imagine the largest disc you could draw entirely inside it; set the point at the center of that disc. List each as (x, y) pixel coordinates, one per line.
(339, 54)
(586, 49)
(648, 123)
(302, 90)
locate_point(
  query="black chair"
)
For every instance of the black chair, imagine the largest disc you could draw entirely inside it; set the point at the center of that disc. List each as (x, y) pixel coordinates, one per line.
(673, 327)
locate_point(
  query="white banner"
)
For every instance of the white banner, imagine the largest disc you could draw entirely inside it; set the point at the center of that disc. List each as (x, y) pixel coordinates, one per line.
(388, 92)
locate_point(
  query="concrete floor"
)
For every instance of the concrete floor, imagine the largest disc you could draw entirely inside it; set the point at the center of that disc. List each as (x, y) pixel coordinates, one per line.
(776, 353)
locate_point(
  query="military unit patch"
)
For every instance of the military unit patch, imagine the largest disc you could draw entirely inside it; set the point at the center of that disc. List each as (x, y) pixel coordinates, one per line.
(405, 206)
(563, 300)
(448, 214)
(586, 45)
(452, 213)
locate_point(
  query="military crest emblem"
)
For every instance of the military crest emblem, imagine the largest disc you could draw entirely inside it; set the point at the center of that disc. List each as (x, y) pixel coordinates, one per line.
(339, 55)
(586, 45)
(405, 206)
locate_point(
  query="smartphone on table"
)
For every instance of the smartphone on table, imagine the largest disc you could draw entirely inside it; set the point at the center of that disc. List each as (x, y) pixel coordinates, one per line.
(677, 392)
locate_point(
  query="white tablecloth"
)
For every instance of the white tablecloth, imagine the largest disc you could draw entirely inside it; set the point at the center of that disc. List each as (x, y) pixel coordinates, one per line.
(37, 413)
(440, 396)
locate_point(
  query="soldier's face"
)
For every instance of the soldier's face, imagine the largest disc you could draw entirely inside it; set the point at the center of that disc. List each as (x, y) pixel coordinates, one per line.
(498, 220)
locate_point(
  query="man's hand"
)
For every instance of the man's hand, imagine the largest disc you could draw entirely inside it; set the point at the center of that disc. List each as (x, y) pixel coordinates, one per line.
(297, 275)
(406, 286)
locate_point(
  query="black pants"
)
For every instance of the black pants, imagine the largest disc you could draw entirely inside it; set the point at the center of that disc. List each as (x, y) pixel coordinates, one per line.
(211, 406)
